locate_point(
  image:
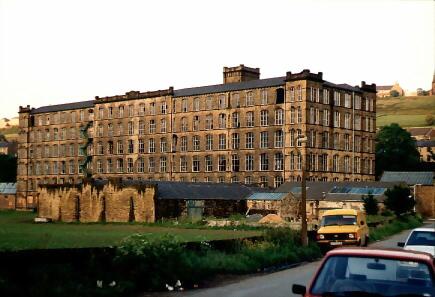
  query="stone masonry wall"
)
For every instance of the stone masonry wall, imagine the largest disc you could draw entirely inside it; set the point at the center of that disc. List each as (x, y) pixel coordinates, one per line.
(425, 197)
(87, 203)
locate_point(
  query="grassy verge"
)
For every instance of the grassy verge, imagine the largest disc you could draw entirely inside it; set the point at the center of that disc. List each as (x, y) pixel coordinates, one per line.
(18, 232)
(171, 261)
(382, 231)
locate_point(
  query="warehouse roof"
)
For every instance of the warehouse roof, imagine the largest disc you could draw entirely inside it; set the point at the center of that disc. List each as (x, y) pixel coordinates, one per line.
(339, 191)
(195, 191)
(409, 177)
(8, 188)
(267, 196)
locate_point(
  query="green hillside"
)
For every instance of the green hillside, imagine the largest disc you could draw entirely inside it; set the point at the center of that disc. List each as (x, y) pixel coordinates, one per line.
(406, 111)
(11, 133)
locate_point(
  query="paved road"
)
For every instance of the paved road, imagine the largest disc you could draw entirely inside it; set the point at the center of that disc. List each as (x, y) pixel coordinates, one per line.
(276, 284)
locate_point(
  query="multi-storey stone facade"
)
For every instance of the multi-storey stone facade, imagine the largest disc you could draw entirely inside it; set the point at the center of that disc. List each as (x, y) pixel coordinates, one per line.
(246, 130)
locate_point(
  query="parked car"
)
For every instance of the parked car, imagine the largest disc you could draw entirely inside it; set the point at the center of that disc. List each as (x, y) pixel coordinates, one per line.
(420, 239)
(372, 272)
(340, 227)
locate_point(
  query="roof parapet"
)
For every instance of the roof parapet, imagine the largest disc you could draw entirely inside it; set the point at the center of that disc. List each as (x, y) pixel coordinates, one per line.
(304, 75)
(368, 88)
(24, 109)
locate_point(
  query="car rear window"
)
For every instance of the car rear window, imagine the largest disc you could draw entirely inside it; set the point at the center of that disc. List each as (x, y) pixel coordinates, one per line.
(342, 275)
(422, 238)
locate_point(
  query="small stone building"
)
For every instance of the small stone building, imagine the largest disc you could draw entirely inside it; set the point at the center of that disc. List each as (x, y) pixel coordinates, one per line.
(422, 186)
(283, 204)
(322, 196)
(8, 195)
(385, 91)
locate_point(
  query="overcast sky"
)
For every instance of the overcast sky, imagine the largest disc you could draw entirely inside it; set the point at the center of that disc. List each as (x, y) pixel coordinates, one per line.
(59, 51)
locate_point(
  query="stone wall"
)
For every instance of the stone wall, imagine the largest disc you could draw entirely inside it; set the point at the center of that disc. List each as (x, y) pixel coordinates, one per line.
(425, 198)
(89, 203)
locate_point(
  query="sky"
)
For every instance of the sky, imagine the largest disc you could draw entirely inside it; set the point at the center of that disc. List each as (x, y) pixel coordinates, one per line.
(61, 51)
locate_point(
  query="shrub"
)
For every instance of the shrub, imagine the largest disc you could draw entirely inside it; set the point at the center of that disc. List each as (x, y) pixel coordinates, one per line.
(370, 204)
(403, 223)
(399, 200)
(150, 262)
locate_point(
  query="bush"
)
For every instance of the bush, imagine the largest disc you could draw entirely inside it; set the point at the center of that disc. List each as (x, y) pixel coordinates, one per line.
(403, 223)
(370, 204)
(399, 200)
(165, 260)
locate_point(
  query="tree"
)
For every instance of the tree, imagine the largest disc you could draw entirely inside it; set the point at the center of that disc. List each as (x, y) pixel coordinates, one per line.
(421, 92)
(394, 93)
(399, 200)
(370, 204)
(395, 150)
(430, 120)
(8, 171)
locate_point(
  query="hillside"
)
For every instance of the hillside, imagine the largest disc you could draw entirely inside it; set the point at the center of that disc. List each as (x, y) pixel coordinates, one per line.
(406, 111)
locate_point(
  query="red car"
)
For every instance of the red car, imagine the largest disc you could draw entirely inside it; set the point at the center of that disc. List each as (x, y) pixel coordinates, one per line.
(372, 272)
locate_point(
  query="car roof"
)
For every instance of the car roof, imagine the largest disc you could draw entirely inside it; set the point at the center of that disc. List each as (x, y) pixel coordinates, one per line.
(341, 212)
(385, 253)
(424, 229)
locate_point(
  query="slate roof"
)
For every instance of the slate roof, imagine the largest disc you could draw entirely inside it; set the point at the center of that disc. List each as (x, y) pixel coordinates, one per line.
(65, 106)
(419, 131)
(219, 88)
(409, 177)
(425, 143)
(8, 188)
(338, 191)
(196, 191)
(252, 84)
(4, 144)
(267, 196)
(383, 88)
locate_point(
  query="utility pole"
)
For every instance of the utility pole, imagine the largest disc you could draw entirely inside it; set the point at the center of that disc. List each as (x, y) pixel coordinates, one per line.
(304, 237)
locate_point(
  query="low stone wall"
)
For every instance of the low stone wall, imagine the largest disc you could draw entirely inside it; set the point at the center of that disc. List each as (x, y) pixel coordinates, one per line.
(104, 203)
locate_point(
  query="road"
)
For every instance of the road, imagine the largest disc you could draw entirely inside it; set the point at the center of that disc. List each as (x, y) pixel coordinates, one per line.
(276, 284)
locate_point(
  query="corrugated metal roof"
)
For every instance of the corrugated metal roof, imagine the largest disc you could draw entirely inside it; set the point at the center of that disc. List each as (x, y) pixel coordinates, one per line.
(408, 177)
(66, 106)
(425, 143)
(8, 188)
(333, 190)
(267, 196)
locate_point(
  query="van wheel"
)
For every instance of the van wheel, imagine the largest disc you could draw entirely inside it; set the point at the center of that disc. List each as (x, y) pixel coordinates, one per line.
(366, 241)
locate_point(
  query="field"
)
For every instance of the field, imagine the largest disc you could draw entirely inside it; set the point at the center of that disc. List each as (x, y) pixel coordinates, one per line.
(10, 133)
(18, 232)
(406, 111)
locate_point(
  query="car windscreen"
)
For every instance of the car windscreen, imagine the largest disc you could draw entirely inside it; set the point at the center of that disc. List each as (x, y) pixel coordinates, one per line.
(421, 238)
(338, 220)
(349, 276)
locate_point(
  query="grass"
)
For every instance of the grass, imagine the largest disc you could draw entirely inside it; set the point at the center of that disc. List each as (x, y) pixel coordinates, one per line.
(398, 225)
(405, 111)
(18, 232)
